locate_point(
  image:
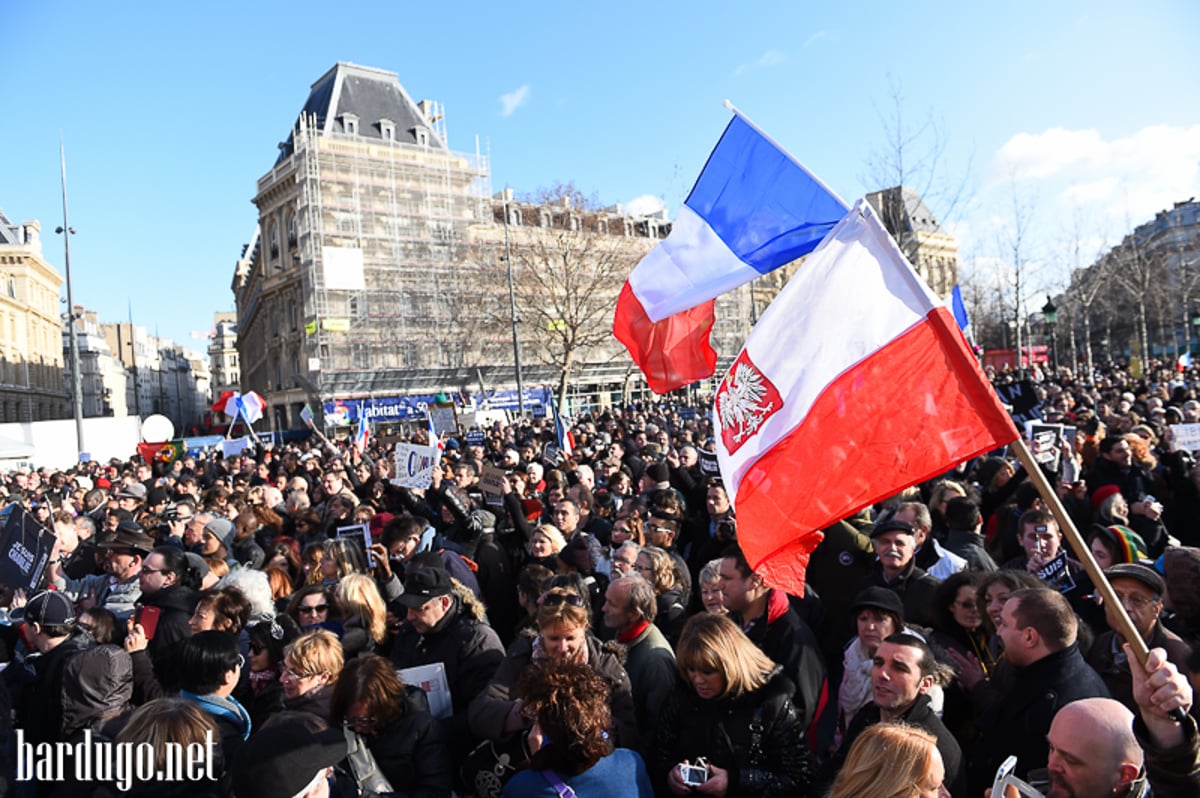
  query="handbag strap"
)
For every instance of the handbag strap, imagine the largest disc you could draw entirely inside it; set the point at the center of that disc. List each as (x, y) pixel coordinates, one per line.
(563, 790)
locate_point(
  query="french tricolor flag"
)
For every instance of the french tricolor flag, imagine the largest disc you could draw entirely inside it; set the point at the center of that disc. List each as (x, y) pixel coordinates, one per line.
(752, 210)
(855, 383)
(364, 431)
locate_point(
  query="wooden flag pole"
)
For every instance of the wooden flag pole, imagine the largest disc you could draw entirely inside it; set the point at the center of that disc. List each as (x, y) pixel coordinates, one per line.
(1125, 626)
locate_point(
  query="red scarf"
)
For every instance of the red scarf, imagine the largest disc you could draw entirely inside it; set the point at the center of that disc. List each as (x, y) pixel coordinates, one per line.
(628, 636)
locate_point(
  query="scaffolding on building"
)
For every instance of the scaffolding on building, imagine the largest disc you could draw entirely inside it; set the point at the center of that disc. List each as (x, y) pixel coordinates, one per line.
(396, 213)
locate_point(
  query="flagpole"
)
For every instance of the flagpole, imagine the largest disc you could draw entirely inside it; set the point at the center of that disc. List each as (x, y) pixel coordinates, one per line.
(1125, 626)
(737, 112)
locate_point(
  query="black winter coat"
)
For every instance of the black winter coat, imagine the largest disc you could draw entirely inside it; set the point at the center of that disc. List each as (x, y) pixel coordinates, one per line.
(773, 762)
(411, 751)
(1018, 721)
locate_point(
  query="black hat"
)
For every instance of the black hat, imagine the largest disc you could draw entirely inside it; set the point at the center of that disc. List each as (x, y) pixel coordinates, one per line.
(659, 472)
(892, 525)
(881, 599)
(423, 584)
(1147, 576)
(48, 608)
(129, 536)
(280, 761)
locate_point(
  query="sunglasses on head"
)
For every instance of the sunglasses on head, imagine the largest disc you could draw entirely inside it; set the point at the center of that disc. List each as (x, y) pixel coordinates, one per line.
(554, 599)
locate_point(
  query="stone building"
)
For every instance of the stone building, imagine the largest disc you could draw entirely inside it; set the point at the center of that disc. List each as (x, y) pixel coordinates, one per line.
(929, 248)
(377, 269)
(31, 355)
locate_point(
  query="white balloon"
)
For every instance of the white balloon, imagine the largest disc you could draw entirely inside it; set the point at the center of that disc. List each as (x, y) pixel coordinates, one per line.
(157, 429)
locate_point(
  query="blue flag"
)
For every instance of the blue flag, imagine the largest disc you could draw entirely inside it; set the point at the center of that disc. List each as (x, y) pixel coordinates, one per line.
(959, 309)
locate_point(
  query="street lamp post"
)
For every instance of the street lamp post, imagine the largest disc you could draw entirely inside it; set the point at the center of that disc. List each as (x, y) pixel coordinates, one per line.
(512, 307)
(76, 377)
(1050, 317)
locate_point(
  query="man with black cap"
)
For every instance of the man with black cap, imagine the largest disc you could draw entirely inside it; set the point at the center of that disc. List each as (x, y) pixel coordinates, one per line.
(286, 760)
(895, 546)
(1140, 590)
(51, 630)
(439, 628)
(118, 589)
(131, 498)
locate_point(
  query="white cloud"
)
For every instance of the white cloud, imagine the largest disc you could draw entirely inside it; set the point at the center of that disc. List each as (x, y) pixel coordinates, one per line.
(513, 100)
(645, 205)
(816, 37)
(1131, 177)
(768, 59)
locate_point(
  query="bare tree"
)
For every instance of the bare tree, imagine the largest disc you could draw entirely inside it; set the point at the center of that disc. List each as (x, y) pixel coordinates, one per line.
(1137, 272)
(1013, 242)
(566, 289)
(912, 155)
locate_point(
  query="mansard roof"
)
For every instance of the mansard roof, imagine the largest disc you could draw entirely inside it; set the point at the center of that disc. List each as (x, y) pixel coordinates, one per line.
(370, 96)
(903, 211)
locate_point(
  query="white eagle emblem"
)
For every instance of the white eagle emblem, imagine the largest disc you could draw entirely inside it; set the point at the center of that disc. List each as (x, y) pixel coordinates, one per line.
(744, 403)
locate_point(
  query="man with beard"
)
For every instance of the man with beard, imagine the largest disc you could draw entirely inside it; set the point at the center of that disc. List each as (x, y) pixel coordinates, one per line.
(118, 588)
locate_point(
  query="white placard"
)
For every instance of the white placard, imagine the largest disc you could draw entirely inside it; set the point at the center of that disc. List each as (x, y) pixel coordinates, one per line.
(415, 464)
(1185, 437)
(343, 268)
(431, 679)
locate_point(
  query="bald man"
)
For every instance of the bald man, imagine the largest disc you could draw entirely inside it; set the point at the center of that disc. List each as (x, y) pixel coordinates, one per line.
(1093, 750)
(1098, 747)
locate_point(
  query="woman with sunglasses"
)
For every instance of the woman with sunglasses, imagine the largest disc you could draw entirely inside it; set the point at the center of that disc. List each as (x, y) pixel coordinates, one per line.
(268, 639)
(311, 666)
(391, 722)
(312, 606)
(562, 635)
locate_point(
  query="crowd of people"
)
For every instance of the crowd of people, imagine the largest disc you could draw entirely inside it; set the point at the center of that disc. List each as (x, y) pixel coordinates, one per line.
(589, 625)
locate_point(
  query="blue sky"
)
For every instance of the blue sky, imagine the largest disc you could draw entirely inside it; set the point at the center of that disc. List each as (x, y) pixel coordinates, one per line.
(170, 113)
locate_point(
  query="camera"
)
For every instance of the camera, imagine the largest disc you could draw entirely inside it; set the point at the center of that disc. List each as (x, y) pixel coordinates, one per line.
(692, 775)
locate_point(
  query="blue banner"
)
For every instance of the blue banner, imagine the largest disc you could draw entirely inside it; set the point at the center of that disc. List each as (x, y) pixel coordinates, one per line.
(345, 412)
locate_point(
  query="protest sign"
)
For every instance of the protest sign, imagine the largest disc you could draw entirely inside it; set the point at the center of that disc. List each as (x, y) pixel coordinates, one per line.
(432, 680)
(1045, 443)
(552, 455)
(25, 547)
(443, 419)
(415, 464)
(491, 482)
(475, 437)
(1023, 399)
(1056, 574)
(709, 466)
(361, 535)
(1185, 437)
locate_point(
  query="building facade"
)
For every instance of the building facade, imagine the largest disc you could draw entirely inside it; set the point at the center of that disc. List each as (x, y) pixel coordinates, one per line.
(104, 379)
(378, 266)
(31, 356)
(163, 377)
(224, 371)
(929, 248)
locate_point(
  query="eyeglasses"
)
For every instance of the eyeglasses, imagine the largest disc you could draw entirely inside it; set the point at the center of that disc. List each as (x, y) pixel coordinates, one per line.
(1137, 602)
(555, 599)
(292, 673)
(315, 610)
(255, 648)
(362, 722)
(146, 570)
(241, 661)
(965, 605)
